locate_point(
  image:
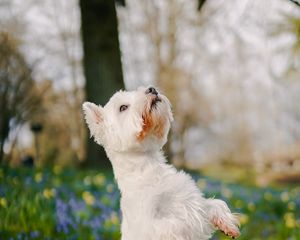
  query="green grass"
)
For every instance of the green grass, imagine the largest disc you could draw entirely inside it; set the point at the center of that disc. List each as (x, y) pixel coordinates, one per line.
(84, 204)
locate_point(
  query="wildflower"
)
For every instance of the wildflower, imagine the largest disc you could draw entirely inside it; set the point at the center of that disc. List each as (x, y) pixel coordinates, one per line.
(268, 196)
(226, 192)
(243, 218)
(57, 169)
(49, 193)
(87, 180)
(95, 222)
(38, 177)
(99, 180)
(251, 206)
(284, 196)
(34, 234)
(114, 218)
(201, 183)
(291, 206)
(3, 202)
(289, 219)
(110, 188)
(64, 222)
(88, 198)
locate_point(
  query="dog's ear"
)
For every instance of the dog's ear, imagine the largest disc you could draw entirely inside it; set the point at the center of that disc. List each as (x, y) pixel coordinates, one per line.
(94, 116)
(93, 113)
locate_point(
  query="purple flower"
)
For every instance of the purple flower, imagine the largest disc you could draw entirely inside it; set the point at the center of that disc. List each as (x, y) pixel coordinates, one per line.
(34, 234)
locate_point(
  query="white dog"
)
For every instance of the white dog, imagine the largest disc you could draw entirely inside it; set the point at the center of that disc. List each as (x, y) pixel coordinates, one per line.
(158, 202)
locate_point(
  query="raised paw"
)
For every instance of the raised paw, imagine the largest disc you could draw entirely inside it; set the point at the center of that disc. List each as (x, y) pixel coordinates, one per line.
(230, 231)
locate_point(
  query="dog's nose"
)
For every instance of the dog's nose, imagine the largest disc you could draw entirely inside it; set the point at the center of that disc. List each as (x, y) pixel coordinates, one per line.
(151, 90)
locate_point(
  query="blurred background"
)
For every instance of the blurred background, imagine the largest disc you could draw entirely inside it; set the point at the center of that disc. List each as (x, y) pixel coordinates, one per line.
(231, 70)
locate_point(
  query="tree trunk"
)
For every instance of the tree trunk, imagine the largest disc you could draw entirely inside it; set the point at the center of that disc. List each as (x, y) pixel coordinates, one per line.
(4, 130)
(102, 61)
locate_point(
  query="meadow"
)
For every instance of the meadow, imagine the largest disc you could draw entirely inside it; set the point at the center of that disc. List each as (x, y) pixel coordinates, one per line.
(58, 203)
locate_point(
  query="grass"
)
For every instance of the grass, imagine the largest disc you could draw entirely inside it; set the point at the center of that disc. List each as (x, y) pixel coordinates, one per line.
(84, 204)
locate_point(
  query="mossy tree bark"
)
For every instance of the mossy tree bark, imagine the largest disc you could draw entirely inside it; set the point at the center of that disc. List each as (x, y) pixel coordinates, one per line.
(102, 62)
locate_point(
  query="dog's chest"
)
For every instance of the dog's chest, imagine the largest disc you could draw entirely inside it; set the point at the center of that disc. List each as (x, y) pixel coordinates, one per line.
(136, 212)
(137, 199)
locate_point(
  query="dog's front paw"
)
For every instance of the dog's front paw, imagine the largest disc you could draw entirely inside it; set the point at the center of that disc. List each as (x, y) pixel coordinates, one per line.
(221, 217)
(230, 230)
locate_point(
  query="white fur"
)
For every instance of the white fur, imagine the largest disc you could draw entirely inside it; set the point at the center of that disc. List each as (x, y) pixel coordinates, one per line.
(157, 201)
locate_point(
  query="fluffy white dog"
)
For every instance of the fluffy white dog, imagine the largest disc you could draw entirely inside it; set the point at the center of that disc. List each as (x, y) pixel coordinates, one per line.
(158, 202)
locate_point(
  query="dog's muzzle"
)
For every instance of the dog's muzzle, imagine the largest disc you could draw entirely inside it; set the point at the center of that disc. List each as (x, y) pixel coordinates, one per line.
(151, 90)
(154, 96)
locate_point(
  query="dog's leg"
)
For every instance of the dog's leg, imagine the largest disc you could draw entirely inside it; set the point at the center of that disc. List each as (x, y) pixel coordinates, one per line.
(221, 217)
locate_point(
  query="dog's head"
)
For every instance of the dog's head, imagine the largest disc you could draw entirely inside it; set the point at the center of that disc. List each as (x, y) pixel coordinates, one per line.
(131, 121)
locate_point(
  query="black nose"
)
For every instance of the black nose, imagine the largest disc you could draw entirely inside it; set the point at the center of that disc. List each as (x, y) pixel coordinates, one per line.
(151, 90)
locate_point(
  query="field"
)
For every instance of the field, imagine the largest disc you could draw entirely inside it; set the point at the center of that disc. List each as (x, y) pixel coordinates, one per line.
(84, 204)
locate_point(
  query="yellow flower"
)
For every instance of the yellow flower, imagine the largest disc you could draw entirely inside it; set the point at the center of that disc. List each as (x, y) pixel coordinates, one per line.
(88, 198)
(57, 169)
(49, 193)
(251, 206)
(3, 202)
(201, 183)
(284, 196)
(268, 196)
(38, 177)
(114, 218)
(291, 206)
(226, 192)
(243, 218)
(99, 180)
(290, 221)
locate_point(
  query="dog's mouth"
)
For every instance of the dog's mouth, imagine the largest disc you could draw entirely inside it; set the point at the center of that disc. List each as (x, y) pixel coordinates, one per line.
(154, 101)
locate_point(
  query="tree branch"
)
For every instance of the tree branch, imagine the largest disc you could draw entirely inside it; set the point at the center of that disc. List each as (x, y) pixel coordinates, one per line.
(295, 2)
(200, 4)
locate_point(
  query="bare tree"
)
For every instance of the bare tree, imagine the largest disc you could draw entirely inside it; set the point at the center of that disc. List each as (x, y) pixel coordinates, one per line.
(160, 26)
(52, 42)
(18, 101)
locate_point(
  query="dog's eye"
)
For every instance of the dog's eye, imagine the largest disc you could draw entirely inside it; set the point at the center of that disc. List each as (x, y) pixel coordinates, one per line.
(123, 108)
